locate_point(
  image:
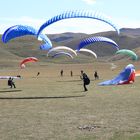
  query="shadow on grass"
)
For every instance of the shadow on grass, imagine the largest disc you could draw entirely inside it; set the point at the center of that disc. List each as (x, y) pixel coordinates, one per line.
(69, 81)
(79, 91)
(47, 97)
(12, 90)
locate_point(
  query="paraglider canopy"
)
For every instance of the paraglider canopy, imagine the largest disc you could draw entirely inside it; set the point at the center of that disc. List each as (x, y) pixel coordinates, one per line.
(26, 60)
(64, 48)
(45, 47)
(22, 30)
(87, 50)
(95, 39)
(79, 14)
(126, 76)
(129, 53)
(62, 54)
(17, 31)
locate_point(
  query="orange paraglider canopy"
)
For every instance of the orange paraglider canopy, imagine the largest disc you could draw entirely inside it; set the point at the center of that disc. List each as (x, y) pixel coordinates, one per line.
(26, 60)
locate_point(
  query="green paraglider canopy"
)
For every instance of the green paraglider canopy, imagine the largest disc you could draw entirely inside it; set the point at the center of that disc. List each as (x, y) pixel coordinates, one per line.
(129, 53)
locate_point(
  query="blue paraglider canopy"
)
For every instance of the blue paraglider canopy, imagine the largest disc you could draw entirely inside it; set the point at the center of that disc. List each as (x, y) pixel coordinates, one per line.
(79, 14)
(45, 46)
(17, 31)
(91, 40)
(22, 30)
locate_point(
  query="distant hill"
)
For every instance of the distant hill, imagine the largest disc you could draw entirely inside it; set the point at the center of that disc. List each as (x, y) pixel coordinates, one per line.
(128, 39)
(131, 32)
(68, 36)
(26, 46)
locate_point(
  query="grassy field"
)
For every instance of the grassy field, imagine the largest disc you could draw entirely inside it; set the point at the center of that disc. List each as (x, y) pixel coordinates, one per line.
(50, 107)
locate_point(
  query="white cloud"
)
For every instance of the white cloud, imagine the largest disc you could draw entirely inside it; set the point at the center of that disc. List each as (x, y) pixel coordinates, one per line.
(8, 22)
(82, 25)
(78, 25)
(68, 25)
(127, 23)
(90, 2)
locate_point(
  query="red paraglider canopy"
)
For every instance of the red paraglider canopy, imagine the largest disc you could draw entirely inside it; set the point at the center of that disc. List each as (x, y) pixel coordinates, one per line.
(26, 60)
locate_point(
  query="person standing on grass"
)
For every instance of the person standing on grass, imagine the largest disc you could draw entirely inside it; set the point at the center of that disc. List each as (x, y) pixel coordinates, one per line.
(86, 80)
(61, 73)
(11, 82)
(38, 73)
(71, 73)
(96, 76)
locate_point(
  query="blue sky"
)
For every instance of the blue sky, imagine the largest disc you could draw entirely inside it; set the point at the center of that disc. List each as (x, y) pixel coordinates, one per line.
(34, 13)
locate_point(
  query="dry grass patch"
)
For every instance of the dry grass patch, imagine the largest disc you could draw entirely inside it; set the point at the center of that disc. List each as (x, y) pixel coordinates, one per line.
(53, 107)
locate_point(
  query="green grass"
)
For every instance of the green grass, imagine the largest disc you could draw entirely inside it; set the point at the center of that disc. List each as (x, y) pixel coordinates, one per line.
(123, 136)
(136, 137)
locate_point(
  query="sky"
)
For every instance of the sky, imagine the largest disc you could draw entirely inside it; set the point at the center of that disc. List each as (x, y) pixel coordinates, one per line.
(124, 13)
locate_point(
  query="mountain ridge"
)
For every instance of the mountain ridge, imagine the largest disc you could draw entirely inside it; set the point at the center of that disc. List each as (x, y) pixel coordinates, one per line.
(27, 46)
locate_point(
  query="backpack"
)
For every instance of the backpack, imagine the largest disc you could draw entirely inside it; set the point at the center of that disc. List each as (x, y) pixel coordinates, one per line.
(86, 80)
(9, 82)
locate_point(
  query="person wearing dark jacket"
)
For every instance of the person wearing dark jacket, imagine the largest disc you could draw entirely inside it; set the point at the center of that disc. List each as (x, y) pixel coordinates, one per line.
(61, 73)
(11, 82)
(38, 73)
(86, 80)
(71, 73)
(96, 75)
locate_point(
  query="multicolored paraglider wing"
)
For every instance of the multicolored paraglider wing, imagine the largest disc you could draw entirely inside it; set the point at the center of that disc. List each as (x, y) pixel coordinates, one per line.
(62, 53)
(62, 48)
(91, 40)
(26, 60)
(79, 14)
(127, 76)
(129, 53)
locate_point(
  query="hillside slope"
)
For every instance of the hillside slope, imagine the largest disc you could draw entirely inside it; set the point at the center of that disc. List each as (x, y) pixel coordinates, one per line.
(27, 46)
